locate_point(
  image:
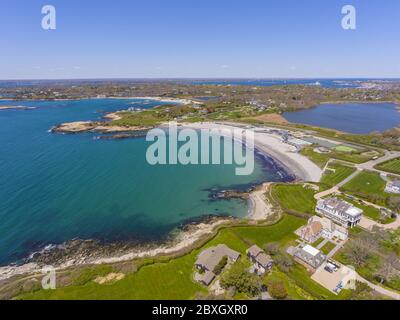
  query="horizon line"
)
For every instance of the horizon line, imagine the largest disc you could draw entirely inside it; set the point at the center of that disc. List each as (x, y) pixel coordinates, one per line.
(203, 78)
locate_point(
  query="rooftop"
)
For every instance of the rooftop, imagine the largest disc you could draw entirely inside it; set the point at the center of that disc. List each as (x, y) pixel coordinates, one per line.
(210, 257)
(254, 251)
(311, 250)
(342, 206)
(395, 183)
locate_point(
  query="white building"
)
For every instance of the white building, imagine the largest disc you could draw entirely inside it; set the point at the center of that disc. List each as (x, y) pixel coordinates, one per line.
(340, 211)
(330, 229)
(298, 143)
(310, 255)
(393, 187)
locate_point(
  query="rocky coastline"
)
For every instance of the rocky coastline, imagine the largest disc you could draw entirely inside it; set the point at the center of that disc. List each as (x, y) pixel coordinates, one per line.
(95, 127)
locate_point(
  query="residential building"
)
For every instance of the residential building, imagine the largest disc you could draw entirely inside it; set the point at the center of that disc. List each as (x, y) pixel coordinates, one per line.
(210, 257)
(340, 212)
(262, 261)
(330, 230)
(393, 187)
(208, 260)
(205, 278)
(310, 255)
(311, 232)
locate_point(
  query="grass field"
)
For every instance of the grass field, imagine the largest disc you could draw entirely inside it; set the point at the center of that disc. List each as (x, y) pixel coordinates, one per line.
(370, 211)
(344, 148)
(327, 248)
(321, 159)
(173, 280)
(368, 185)
(295, 197)
(319, 241)
(340, 173)
(392, 166)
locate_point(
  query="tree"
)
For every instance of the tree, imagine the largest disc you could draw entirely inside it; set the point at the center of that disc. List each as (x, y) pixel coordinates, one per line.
(362, 292)
(242, 280)
(221, 265)
(357, 252)
(272, 248)
(388, 269)
(277, 290)
(283, 261)
(394, 203)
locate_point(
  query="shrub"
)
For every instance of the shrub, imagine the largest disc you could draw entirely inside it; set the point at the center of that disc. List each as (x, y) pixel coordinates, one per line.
(221, 265)
(277, 290)
(242, 280)
(272, 248)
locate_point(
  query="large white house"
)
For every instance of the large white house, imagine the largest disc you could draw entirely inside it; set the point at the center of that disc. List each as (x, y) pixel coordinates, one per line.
(340, 212)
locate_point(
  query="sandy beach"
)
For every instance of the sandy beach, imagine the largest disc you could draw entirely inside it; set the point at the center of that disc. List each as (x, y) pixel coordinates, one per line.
(160, 99)
(272, 145)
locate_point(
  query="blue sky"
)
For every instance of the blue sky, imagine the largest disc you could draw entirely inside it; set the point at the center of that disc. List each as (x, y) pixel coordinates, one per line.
(189, 38)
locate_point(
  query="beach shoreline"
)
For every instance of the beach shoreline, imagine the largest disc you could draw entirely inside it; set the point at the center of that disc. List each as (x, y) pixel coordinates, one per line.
(259, 209)
(271, 146)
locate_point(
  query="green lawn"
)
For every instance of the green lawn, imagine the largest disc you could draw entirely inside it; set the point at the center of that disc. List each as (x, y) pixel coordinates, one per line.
(295, 197)
(344, 148)
(327, 248)
(370, 211)
(173, 280)
(392, 166)
(368, 185)
(319, 241)
(341, 172)
(320, 159)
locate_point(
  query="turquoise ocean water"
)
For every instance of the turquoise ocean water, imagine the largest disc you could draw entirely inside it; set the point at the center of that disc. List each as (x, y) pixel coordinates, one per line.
(58, 187)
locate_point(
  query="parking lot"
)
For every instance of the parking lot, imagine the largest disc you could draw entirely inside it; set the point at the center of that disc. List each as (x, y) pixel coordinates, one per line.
(334, 280)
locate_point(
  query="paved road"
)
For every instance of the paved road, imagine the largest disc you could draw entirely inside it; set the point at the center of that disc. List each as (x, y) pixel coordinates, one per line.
(381, 290)
(389, 155)
(368, 224)
(336, 188)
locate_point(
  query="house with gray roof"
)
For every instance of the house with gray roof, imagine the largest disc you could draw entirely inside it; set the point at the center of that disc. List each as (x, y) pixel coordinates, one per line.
(208, 260)
(262, 261)
(205, 278)
(310, 256)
